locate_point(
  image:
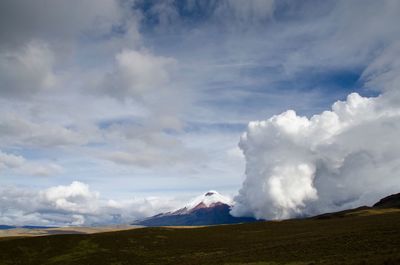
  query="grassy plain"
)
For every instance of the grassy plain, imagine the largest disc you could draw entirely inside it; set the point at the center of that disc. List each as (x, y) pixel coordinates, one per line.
(359, 239)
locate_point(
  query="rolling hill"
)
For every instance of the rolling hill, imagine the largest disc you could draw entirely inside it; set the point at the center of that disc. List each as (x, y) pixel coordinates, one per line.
(392, 201)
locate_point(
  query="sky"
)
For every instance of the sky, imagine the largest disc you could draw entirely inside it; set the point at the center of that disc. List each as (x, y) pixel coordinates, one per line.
(113, 110)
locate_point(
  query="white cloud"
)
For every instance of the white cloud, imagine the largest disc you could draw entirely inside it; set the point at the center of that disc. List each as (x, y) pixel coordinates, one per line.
(75, 198)
(235, 153)
(20, 165)
(342, 158)
(74, 204)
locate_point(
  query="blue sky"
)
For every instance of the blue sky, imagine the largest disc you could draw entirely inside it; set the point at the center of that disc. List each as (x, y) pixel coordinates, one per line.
(141, 98)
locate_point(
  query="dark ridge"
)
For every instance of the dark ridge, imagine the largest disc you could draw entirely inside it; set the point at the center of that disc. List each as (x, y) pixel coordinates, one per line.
(340, 214)
(392, 201)
(37, 227)
(6, 227)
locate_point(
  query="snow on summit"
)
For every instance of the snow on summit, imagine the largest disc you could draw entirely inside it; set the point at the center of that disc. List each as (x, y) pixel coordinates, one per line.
(208, 199)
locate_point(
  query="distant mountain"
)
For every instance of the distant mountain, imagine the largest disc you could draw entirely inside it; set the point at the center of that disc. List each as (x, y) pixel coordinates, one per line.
(37, 227)
(5, 227)
(209, 209)
(392, 201)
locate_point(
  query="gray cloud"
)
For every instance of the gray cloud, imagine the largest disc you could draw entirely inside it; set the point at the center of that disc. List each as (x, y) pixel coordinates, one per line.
(27, 71)
(383, 72)
(21, 21)
(16, 131)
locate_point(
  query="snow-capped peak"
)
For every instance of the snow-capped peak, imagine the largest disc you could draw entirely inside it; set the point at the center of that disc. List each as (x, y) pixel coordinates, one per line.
(208, 199)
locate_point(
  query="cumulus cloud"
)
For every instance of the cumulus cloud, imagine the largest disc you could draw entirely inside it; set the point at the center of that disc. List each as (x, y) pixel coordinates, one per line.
(76, 198)
(345, 157)
(74, 204)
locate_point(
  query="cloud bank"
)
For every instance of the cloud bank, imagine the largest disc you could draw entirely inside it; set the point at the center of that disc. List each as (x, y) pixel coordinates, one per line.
(73, 204)
(345, 157)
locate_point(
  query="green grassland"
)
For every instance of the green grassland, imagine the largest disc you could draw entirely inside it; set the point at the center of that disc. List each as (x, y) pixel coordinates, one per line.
(367, 238)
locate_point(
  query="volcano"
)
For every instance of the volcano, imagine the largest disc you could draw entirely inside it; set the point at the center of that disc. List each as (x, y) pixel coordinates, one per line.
(211, 208)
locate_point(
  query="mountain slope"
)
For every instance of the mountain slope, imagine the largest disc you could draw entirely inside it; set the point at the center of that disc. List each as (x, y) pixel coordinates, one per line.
(386, 205)
(392, 201)
(209, 209)
(6, 227)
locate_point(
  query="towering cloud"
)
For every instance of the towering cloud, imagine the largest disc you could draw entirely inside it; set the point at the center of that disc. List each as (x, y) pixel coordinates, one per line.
(341, 158)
